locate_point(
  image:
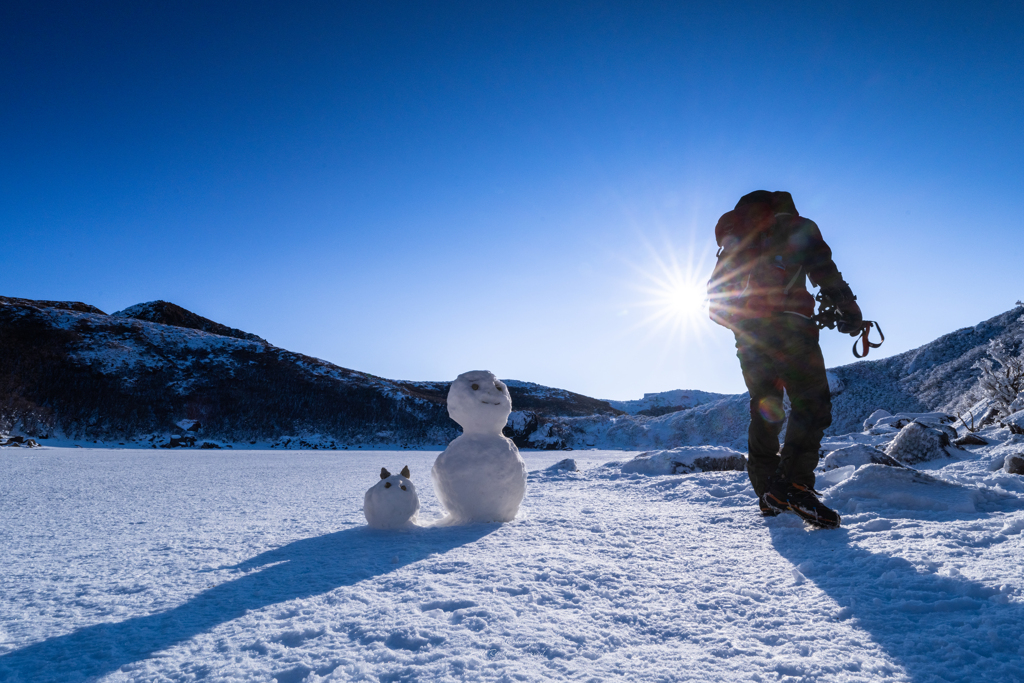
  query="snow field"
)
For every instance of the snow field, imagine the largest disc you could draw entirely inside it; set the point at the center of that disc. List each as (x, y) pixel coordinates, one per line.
(258, 566)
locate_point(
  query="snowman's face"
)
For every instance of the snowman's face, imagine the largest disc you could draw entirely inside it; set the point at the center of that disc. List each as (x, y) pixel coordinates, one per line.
(397, 482)
(479, 402)
(391, 502)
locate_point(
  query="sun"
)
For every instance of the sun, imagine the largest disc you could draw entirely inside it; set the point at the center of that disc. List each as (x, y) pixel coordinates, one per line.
(682, 299)
(677, 299)
(673, 293)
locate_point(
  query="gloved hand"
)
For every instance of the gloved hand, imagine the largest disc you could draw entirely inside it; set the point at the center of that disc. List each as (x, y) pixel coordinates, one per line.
(851, 319)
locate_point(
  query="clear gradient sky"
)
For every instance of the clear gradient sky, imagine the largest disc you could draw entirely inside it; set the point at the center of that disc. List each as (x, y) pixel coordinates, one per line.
(417, 189)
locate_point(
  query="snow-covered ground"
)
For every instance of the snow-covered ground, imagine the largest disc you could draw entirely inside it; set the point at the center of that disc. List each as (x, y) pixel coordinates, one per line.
(253, 566)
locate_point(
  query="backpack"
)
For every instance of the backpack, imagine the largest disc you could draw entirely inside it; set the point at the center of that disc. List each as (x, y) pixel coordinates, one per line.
(752, 277)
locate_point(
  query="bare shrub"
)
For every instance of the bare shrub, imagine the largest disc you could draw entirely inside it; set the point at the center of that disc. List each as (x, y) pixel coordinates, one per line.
(1002, 375)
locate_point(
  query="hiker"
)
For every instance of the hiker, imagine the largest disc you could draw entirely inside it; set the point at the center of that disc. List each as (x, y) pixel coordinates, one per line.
(758, 290)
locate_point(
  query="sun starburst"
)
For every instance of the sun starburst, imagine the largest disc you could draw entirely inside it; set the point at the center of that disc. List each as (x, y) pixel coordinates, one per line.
(673, 293)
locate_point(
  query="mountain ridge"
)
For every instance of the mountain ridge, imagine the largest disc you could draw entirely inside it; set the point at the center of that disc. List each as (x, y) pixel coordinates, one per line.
(68, 369)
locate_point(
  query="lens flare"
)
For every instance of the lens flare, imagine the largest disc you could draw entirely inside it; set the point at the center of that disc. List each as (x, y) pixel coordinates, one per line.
(771, 409)
(673, 287)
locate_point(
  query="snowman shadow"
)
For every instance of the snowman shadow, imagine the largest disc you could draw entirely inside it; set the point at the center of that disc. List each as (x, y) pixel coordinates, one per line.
(301, 569)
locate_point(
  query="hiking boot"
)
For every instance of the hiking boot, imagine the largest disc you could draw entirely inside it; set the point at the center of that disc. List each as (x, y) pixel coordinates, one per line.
(803, 500)
(775, 500)
(766, 509)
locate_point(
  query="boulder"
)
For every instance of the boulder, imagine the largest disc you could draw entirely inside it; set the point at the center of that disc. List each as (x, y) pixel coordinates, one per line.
(1015, 422)
(917, 443)
(521, 424)
(686, 460)
(970, 439)
(1014, 464)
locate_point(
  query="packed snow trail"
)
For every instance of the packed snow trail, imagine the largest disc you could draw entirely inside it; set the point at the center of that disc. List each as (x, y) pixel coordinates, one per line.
(142, 566)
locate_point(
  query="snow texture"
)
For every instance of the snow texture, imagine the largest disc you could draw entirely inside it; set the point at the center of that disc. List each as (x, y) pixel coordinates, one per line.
(392, 502)
(480, 477)
(144, 566)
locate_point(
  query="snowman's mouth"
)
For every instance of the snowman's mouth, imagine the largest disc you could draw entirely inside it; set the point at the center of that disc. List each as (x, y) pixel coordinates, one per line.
(491, 403)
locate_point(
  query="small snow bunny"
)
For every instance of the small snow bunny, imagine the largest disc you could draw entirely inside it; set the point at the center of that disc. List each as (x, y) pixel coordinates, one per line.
(392, 502)
(480, 477)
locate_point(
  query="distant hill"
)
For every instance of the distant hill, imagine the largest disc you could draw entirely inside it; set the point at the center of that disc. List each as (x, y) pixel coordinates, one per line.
(156, 371)
(171, 314)
(662, 403)
(68, 370)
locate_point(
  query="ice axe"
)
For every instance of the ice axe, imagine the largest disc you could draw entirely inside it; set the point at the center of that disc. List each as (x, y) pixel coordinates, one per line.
(829, 316)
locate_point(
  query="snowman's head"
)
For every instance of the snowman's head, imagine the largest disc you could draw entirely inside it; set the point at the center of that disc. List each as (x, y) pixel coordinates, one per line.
(479, 402)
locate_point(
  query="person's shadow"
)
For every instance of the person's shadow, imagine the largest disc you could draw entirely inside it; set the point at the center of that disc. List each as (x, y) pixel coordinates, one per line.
(301, 569)
(936, 627)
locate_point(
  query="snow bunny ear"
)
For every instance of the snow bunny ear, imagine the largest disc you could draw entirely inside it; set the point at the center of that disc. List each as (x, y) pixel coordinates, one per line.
(405, 472)
(384, 474)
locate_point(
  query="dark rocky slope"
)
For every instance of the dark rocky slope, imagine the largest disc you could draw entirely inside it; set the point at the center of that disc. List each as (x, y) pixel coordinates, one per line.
(69, 369)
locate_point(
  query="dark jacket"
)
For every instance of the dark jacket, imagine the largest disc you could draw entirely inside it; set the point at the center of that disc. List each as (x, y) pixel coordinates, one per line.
(763, 265)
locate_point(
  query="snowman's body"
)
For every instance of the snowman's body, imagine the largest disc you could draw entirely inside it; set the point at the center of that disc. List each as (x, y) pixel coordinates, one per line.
(480, 477)
(392, 502)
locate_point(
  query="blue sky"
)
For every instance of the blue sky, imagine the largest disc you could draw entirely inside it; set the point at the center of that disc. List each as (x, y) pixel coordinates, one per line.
(417, 189)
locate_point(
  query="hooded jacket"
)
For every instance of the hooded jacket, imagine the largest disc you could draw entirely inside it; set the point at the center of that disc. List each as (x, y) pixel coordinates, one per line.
(767, 253)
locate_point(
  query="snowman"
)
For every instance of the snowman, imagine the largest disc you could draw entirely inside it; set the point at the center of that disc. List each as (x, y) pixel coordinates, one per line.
(391, 502)
(480, 477)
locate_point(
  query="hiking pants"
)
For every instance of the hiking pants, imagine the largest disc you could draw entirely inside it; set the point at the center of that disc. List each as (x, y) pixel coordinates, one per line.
(781, 352)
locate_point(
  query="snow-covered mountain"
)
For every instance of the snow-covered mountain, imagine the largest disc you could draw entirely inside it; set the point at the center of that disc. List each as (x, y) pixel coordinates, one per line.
(665, 402)
(69, 371)
(939, 376)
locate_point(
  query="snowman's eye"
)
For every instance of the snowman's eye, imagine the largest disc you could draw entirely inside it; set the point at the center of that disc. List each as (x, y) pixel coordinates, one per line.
(475, 386)
(403, 488)
(387, 484)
